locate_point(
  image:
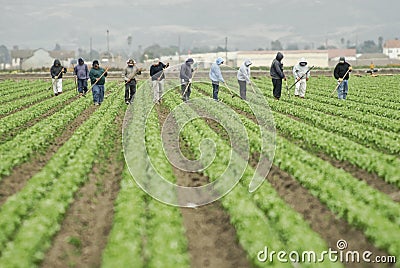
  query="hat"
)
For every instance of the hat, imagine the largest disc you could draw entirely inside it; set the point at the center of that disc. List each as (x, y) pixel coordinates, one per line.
(95, 62)
(341, 59)
(189, 60)
(80, 60)
(131, 61)
(156, 60)
(219, 60)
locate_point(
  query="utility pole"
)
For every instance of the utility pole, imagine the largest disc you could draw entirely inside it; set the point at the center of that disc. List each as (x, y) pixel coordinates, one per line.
(108, 42)
(226, 50)
(179, 48)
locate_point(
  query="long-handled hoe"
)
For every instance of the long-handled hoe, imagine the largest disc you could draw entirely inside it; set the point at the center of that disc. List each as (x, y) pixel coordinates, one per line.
(56, 78)
(97, 80)
(340, 82)
(297, 80)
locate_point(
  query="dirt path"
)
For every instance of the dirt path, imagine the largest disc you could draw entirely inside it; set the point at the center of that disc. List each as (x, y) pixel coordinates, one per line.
(11, 184)
(84, 231)
(320, 218)
(211, 238)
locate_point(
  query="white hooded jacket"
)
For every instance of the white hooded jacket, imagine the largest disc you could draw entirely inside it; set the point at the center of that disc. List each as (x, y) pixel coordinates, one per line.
(300, 71)
(243, 73)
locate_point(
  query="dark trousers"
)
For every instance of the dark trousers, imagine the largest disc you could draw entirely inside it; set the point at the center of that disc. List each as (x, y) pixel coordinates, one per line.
(82, 86)
(215, 90)
(242, 87)
(277, 83)
(186, 90)
(130, 90)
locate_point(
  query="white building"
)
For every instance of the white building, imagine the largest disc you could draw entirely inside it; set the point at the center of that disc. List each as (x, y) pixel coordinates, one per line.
(318, 58)
(40, 59)
(391, 48)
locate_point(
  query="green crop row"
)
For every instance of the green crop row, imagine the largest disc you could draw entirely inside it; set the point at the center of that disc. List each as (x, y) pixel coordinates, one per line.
(12, 86)
(362, 206)
(376, 91)
(363, 134)
(20, 118)
(281, 227)
(383, 123)
(32, 230)
(385, 166)
(316, 92)
(152, 231)
(28, 90)
(39, 136)
(14, 105)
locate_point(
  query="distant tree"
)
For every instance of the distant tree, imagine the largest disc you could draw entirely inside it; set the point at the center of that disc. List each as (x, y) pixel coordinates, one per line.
(380, 43)
(292, 47)
(342, 41)
(57, 47)
(307, 47)
(276, 45)
(218, 49)
(368, 46)
(5, 56)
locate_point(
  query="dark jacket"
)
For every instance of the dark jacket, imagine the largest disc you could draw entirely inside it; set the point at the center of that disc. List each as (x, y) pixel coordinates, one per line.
(340, 70)
(81, 71)
(276, 70)
(57, 70)
(156, 71)
(186, 72)
(96, 73)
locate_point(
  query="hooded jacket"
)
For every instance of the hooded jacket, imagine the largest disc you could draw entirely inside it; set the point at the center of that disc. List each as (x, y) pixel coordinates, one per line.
(156, 71)
(340, 70)
(186, 71)
(81, 70)
(215, 71)
(57, 69)
(130, 72)
(96, 73)
(276, 70)
(300, 71)
(243, 73)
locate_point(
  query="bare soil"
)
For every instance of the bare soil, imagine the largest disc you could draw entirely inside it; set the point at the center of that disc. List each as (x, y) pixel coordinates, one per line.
(87, 223)
(13, 183)
(211, 238)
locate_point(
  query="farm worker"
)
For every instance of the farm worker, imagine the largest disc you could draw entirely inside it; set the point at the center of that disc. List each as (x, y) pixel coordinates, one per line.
(277, 75)
(243, 76)
(81, 72)
(341, 73)
(56, 72)
(97, 77)
(186, 74)
(129, 74)
(301, 76)
(216, 76)
(157, 79)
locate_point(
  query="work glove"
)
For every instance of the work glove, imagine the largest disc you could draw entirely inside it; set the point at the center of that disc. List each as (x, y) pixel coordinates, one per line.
(190, 80)
(340, 80)
(307, 79)
(298, 78)
(350, 68)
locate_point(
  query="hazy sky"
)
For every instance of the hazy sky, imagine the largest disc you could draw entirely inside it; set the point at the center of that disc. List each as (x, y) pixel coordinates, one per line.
(247, 24)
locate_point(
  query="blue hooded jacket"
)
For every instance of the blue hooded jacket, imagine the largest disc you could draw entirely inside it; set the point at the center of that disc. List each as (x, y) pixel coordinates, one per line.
(215, 71)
